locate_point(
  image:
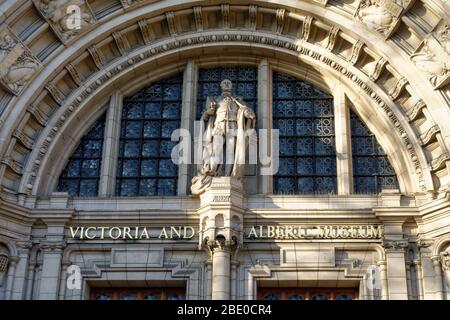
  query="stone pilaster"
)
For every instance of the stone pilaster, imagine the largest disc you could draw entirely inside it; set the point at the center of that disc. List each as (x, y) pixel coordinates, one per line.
(427, 270)
(396, 269)
(10, 278)
(20, 281)
(51, 269)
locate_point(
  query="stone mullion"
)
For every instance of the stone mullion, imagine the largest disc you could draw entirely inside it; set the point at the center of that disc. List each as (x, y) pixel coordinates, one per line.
(188, 112)
(343, 142)
(264, 118)
(111, 146)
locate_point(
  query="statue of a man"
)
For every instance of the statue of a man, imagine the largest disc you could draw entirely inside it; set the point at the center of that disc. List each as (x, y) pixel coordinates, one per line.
(226, 121)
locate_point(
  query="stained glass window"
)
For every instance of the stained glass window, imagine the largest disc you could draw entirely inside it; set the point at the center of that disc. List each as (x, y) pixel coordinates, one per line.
(372, 171)
(82, 173)
(244, 81)
(149, 117)
(305, 119)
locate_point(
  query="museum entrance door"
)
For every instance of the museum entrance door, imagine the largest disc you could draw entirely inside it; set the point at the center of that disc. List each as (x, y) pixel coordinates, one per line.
(138, 293)
(289, 293)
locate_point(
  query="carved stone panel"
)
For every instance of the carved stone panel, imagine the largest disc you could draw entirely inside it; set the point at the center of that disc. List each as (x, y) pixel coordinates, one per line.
(381, 15)
(432, 57)
(17, 64)
(67, 18)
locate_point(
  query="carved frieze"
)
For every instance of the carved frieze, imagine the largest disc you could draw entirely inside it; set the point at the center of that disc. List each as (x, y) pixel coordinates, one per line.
(17, 64)
(67, 18)
(395, 245)
(381, 15)
(432, 57)
(445, 260)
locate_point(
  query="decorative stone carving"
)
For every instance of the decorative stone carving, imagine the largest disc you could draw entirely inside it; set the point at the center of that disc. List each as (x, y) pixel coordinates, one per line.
(395, 245)
(433, 56)
(445, 260)
(67, 18)
(380, 15)
(17, 64)
(227, 122)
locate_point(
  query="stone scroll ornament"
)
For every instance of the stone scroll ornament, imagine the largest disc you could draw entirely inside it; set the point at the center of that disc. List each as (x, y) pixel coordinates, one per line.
(381, 15)
(67, 18)
(227, 123)
(17, 64)
(433, 56)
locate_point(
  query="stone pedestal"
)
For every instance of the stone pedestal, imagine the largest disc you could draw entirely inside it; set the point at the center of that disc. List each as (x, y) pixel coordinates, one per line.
(221, 229)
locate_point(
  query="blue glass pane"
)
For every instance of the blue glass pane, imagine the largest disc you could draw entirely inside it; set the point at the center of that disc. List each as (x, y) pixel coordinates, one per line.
(271, 297)
(167, 187)
(305, 166)
(73, 168)
(304, 108)
(152, 129)
(128, 187)
(103, 296)
(93, 149)
(326, 166)
(90, 168)
(306, 185)
(171, 110)
(131, 148)
(152, 110)
(133, 110)
(151, 296)
(149, 168)
(70, 186)
(168, 127)
(166, 148)
(324, 146)
(88, 188)
(319, 297)
(287, 166)
(286, 185)
(175, 297)
(150, 148)
(304, 146)
(167, 168)
(325, 184)
(133, 129)
(130, 168)
(127, 297)
(148, 187)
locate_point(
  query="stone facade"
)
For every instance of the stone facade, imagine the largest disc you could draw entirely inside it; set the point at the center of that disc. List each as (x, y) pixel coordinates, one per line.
(386, 59)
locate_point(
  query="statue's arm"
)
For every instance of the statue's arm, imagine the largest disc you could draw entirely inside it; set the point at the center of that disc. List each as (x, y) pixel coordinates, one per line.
(210, 108)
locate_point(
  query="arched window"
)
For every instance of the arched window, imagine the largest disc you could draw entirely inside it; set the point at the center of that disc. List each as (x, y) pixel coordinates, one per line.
(149, 117)
(82, 173)
(304, 116)
(372, 171)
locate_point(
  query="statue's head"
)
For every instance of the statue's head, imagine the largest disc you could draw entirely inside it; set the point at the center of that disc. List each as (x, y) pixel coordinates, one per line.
(226, 86)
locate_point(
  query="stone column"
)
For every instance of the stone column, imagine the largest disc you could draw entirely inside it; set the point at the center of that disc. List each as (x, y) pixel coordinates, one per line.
(20, 283)
(188, 116)
(63, 284)
(264, 118)
(221, 269)
(10, 278)
(383, 279)
(419, 272)
(438, 277)
(111, 146)
(343, 142)
(51, 270)
(221, 230)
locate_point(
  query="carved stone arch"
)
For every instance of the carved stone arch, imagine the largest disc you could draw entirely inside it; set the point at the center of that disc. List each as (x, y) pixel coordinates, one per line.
(331, 21)
(320, 73)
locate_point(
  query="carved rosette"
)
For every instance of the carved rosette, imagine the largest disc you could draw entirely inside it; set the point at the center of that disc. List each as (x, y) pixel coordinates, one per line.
(18, 66)
(67, 18)
(432, 57)
(381, 15)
